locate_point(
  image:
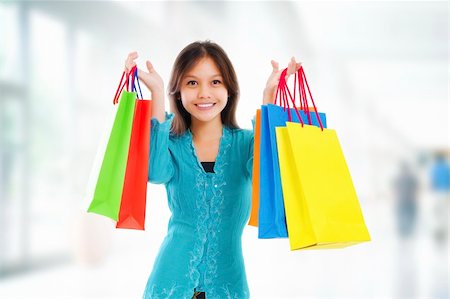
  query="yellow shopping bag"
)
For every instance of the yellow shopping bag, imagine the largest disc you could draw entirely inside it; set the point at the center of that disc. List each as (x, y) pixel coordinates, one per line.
(322, 208)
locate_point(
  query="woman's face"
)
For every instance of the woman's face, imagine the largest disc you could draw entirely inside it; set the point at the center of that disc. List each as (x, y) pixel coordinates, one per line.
(203, 92)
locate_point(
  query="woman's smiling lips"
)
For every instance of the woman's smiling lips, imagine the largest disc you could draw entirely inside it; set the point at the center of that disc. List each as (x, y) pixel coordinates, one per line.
(205, 106)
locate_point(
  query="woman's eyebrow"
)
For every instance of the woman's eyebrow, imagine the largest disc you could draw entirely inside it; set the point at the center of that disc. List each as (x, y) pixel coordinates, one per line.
(192, 76)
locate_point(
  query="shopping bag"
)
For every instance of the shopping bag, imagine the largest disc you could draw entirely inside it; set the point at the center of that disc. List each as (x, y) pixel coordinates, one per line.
(271, 217)
(108, 190)
(272, 222)
(322, 208)
(134, 194)
(253, 221)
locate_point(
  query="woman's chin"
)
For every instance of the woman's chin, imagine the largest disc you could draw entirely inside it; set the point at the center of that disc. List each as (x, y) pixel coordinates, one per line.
(205, 117)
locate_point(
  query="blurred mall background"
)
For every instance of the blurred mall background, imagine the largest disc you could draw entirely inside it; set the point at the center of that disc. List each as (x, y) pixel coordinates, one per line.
(379, 69)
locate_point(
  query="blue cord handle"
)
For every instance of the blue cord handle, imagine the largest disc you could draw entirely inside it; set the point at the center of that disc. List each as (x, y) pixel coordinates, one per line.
(136, 79)
(139, 86)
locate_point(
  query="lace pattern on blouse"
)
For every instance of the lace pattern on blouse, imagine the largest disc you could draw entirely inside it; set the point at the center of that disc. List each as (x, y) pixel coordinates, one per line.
(208, 213)
(156, 293)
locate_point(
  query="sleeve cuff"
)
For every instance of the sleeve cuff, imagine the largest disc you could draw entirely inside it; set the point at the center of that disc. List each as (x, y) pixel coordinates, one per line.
(165, 125)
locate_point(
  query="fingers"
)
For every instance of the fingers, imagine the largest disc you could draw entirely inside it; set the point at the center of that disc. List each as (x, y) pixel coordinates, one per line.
(129, 62)
(291, 66)
(149, 66)
(274, 66)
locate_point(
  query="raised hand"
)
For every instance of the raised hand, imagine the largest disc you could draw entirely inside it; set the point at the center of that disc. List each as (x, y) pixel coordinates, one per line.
(154, 83)
(151, 79)
(274, 78)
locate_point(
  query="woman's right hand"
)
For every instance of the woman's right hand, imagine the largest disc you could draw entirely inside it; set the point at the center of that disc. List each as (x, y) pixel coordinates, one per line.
(151, 79)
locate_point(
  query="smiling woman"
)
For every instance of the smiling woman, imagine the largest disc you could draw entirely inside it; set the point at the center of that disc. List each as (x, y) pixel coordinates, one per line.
(209, 221)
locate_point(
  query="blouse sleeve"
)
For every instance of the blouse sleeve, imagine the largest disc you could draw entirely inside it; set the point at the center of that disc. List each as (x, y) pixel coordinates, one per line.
(250, 150)
(160, 166)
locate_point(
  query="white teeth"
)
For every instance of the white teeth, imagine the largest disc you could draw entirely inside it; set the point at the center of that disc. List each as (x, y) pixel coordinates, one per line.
(205, 105)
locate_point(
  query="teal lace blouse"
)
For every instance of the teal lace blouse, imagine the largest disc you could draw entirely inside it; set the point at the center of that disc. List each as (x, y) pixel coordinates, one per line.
(202, 249)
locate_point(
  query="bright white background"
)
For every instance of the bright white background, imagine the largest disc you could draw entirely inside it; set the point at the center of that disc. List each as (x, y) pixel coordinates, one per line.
(379, 69)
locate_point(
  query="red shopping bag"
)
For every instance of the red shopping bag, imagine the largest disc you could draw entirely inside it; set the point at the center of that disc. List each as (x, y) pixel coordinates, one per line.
(134, 194)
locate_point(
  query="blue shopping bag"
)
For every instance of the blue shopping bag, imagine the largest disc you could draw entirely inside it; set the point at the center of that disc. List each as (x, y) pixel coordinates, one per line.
(271, 215)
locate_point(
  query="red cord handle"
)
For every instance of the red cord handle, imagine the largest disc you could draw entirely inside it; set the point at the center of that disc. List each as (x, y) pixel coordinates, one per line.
(282, 95)
(283, 92)
(122, 84)
(303, 80)
(279, 88)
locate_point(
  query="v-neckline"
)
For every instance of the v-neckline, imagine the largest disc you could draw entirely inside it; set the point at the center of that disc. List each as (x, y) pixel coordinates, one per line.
(219, 152)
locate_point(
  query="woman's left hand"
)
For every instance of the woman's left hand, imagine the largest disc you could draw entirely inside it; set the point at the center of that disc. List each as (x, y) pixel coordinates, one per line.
(272, 83)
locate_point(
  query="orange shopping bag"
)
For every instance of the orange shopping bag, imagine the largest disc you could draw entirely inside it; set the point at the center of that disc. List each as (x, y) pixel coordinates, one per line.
(255, 178)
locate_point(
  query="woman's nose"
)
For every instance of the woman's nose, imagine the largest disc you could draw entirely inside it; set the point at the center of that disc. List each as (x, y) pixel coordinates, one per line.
(204, 92)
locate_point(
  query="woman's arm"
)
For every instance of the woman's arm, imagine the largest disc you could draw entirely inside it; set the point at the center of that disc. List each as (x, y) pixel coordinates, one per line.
(160, 166)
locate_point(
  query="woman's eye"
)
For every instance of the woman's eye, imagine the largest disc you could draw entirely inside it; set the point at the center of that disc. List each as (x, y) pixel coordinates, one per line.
(192, 83)
(216, 82)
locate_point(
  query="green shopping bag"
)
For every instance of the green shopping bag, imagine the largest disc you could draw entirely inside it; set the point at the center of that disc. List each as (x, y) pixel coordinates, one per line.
(108, 191)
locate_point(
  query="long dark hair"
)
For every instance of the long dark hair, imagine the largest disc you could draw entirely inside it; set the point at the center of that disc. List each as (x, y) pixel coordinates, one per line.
(187, 58)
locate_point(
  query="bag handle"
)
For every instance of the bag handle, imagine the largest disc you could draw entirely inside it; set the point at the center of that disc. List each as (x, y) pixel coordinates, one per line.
(303, 97)
(284, 92)
(286, 88)
(122, 84)
(119, 89)
(279, 87)
(126, 82)
(281, 96)
(134, 80)
(282, 86)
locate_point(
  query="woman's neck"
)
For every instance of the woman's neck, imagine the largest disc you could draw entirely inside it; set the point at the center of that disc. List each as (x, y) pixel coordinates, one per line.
(210, 130)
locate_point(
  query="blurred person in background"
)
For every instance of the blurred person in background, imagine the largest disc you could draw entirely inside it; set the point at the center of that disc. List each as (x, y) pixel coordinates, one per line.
(405, 190)
(440, 188)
